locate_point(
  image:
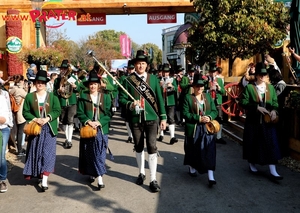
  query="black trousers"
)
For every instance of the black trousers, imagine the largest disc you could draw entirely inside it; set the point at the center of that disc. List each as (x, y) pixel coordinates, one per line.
(220, 114)
(170, 114)
(146, 129)
(67, 114)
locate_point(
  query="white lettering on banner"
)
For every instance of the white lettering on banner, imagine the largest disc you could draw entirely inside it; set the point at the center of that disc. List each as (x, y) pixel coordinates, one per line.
(142, 87)
(97, 19)
(162, 17)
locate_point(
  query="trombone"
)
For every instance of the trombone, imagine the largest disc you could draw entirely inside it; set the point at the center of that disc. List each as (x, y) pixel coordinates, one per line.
(90, 53)
(288, 63)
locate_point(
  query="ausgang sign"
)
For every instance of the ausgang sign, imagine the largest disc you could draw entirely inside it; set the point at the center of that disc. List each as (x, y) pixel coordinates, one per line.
(156, 18)
(91, 19)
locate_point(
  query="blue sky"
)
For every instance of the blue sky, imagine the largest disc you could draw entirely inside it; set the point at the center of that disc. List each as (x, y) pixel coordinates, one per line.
(135, 26)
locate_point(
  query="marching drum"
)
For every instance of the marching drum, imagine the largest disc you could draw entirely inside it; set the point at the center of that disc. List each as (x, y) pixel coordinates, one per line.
(213, 126)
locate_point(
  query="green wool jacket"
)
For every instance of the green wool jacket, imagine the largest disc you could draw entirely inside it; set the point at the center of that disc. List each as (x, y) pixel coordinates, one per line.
(72, 100)
(81, 86)
(191, 113)
(220, 92)
(250, 100)
(113, 87)
(53, 110)
(85, 109)
(149, 113)
(170, 95)
(185, 84)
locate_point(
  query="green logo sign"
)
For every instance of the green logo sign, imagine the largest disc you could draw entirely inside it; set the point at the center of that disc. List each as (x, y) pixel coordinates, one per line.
(278, 44)
(13, 44)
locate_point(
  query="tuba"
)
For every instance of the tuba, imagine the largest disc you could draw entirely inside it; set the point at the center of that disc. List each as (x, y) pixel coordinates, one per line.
(65, 88)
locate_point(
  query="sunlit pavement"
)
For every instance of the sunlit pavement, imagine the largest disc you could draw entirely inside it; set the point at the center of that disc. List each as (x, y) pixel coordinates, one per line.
(236, 190)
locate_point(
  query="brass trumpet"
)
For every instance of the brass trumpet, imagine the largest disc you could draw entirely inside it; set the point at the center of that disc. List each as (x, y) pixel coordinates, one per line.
(65, 88)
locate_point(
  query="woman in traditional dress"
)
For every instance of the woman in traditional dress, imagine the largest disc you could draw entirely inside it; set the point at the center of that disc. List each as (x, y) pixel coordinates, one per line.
(44, 109)
(94, 109)
(260, 144)
(199, 145)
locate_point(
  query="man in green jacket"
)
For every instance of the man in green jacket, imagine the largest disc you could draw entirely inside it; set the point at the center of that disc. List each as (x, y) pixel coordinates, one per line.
(169, 88)
(145, 112)
(183, 83)
(66, 87)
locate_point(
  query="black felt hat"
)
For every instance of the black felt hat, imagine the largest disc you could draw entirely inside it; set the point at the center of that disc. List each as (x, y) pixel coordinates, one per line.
(64, 63)
(192, 69)
(213, 66)
(198, 80)
(179, 68)
(166, 67)
(160, 67)
(141, 56)
(130, 64)
(93, 77)
(41, 76)
(260, 69)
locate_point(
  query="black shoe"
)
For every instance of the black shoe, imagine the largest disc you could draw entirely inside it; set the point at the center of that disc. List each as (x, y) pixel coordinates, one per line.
(173, 140)
(154, 187)
(253, 172)
(178, 123)
(101, 186)
(44, 188)
(140, 179)
(160, 138)
(273, 177)
(22, 153)
(193, 174)
(212, 182)
(68, 145)
(91, 179)
(221, 141)
(129, 140)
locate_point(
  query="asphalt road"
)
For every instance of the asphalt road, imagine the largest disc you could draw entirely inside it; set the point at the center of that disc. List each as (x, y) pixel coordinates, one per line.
(236, 191)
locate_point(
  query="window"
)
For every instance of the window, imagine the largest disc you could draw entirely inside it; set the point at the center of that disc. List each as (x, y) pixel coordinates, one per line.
(170, 43)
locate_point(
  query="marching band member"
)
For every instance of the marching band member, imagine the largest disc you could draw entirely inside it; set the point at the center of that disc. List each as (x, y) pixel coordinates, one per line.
(182, 90)
(144, 115)
(169, 87)
(66, 87)
(216, 90)
(199, 145)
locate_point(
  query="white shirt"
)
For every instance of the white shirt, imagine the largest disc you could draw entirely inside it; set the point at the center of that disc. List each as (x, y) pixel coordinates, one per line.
(144, 76)
(5, 110)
